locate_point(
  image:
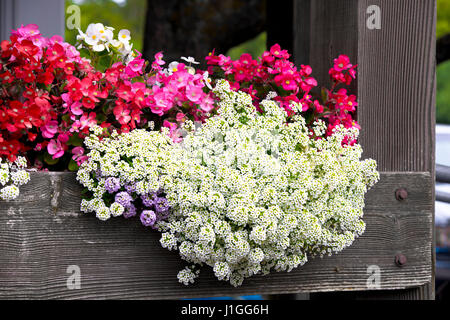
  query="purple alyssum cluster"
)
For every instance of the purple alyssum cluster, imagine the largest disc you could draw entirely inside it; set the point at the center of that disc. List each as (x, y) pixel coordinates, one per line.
(154, 206)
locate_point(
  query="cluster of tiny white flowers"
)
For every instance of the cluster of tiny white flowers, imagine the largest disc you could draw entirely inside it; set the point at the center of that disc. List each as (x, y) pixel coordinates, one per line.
(12, 175)
(249, 193)
(255, 193)
(187, 275)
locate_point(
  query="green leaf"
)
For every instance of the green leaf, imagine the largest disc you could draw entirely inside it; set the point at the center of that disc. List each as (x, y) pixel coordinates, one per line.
(324, 95)
(66, 117)
(49, 160)
(100, 118)
(73, 166)
(75, 141)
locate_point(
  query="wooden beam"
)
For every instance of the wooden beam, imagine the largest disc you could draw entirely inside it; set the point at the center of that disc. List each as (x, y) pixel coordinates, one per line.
(42, 233)
(396, 78)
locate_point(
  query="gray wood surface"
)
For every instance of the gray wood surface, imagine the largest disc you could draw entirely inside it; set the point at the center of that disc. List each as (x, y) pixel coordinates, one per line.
(395, 84)
(42, 233)
(49, 15)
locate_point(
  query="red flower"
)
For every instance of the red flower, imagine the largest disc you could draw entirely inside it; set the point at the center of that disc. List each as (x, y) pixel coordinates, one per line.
(25, 48)
(55, 52)
(122, 114)
(89, 102)
(6, 77)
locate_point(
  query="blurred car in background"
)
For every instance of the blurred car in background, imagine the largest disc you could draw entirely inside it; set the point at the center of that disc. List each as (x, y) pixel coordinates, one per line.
(442, 212)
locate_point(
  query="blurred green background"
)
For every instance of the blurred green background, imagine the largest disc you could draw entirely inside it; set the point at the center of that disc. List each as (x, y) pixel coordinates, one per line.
(130, 14)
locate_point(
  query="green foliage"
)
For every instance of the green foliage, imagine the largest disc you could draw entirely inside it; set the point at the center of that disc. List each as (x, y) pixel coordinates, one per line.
(443, 93)
(255, 47)
(443, 70)
(128, 15)
(443, 17)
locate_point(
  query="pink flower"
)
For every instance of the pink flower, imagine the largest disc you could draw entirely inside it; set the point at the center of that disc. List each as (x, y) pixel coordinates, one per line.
(75, 108)
(158, 58)
(78, 155)
(136, 65)
(86, 121)
(158, 61)
(63, 137)
(207, 104)
(174, 133)
(122, 114)
(287, 82)
(181, 78)
(180, 117)
(50, 129)
(276, 51)
(55, 149)
(194, 93)
(30, 31)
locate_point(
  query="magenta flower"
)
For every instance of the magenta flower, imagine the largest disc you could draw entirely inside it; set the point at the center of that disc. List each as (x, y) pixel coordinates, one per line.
(78, 155)
(55, 149)
(342, 63)
(136, 65)
(50, 129)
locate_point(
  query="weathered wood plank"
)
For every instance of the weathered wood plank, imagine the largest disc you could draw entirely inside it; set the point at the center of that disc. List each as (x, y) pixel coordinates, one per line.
(43, 232)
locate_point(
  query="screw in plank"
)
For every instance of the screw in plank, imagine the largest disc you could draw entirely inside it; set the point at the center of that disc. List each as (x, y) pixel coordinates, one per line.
(400, 260)
(401, 194)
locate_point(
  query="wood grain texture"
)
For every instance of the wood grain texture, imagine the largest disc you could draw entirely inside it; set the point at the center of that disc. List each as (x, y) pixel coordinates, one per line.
(42, 233)
(396, 82)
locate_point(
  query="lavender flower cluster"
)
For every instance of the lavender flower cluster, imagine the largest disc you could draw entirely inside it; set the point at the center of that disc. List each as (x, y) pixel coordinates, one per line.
(118, 179)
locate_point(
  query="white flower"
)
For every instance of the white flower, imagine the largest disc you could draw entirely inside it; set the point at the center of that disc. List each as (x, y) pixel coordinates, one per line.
(190, 60)
(124, 36)
(207, 80)
(92, 36)
(9, 193)
(173, 67)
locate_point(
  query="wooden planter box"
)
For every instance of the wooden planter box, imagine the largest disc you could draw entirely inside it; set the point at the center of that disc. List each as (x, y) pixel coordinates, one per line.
(43, 232)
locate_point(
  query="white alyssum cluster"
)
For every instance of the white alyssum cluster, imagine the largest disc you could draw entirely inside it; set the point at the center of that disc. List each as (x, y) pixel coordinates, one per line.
(12, 176)
(255, 193)
(249, 193)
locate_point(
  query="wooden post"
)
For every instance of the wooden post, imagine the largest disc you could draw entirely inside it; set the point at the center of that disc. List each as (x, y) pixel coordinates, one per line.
(395, 86)
(47, 14)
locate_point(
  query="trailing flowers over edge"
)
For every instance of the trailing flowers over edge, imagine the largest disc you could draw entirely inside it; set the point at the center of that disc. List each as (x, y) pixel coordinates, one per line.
(242, 167)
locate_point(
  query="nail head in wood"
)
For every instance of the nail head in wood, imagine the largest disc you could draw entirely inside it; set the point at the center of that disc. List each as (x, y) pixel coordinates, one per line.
(400, 260)
(401, 194)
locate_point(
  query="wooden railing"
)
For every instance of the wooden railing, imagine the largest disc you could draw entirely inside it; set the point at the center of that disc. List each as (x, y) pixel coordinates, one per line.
(43, 233)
